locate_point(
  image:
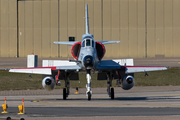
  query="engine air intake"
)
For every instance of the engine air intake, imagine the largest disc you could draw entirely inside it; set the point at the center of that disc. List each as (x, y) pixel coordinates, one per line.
(100, 50)
(75, 50)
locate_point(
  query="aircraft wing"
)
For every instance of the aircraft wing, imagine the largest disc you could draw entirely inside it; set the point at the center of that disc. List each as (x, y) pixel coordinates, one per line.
(132, 69)
(44, 70)
(108, 42)
(114, 65)
(135, 69)
(67, 43)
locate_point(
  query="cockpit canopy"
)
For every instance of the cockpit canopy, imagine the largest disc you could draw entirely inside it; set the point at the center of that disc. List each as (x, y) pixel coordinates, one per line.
(88, 42)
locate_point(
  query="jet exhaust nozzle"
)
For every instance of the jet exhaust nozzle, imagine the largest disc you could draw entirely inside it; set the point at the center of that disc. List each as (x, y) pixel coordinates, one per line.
(88, 61)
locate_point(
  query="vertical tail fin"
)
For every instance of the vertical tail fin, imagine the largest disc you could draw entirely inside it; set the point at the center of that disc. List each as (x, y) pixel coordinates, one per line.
(87, 20)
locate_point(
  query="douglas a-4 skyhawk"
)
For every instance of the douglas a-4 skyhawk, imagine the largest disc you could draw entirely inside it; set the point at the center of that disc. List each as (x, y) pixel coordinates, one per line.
(88, 55)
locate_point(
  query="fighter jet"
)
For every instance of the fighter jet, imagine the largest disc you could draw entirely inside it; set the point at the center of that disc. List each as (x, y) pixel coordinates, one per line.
(88, 55)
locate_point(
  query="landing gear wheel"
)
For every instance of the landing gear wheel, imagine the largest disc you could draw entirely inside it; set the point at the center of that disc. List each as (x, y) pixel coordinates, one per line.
(64, 93)
(112, 93)
(89, 95)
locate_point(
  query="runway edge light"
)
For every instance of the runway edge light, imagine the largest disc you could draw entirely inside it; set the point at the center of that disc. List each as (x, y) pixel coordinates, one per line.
(21, 108)
(4, 106)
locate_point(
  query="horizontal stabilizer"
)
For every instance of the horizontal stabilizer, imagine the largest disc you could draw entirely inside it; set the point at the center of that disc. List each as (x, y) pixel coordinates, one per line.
(108, 42)
(66, 43)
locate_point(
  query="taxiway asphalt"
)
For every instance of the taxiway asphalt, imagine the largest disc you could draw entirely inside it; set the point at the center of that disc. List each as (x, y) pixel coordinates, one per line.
(137, 104)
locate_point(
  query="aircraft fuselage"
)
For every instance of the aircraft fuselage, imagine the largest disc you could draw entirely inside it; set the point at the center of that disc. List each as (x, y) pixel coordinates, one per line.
(88, 54)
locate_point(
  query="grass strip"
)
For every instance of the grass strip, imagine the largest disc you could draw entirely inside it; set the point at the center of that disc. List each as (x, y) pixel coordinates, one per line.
(18, 81)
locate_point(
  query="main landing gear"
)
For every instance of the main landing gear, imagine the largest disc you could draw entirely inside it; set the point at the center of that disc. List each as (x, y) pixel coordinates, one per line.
(67, 85)
(64, 93)
(110, 90)
(88, 85)
(66, 89)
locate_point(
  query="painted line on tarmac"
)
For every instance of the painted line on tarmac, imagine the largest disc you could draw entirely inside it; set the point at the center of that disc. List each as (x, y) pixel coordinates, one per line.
(101, 97)
(165, 95)
(107, 105)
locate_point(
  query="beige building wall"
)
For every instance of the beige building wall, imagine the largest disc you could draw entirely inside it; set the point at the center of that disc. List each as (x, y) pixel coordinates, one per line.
(163, 28)
(146, 28)
(8, 28)
(38, 27)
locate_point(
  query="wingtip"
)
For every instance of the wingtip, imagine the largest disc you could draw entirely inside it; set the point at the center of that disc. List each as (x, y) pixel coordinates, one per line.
(11, 70)
(165, 68)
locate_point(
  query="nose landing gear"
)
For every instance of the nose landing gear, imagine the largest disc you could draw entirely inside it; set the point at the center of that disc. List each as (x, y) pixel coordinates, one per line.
(88, 86)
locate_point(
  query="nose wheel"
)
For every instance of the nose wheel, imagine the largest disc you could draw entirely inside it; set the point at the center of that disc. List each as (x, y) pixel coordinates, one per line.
(89, 95)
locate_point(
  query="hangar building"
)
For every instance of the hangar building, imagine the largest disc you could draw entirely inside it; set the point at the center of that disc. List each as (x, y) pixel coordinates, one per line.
(146, 28)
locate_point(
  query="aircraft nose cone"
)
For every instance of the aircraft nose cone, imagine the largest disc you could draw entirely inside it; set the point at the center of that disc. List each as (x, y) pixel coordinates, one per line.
(88, 61)
(48, 81)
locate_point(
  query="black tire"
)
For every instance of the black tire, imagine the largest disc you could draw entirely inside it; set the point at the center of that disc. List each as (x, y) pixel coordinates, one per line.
(112, 93)
(8, 118)
(89, 96)
(64, 93)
